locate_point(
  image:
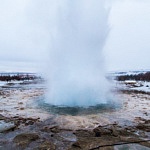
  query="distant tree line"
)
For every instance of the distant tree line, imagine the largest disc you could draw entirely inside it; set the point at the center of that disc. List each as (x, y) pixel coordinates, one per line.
(137, 77)
(18, 77)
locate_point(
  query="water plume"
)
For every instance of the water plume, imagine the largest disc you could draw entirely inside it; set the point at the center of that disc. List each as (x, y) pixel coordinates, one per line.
(76, 63)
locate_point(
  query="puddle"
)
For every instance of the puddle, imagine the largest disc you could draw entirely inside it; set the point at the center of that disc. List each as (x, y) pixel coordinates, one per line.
(131, 147)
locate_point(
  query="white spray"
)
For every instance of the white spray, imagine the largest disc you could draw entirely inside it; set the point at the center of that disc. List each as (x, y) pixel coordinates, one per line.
(76, 64)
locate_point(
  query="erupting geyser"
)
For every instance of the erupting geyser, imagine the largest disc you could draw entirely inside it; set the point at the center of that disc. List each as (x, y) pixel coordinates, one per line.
(76, 64)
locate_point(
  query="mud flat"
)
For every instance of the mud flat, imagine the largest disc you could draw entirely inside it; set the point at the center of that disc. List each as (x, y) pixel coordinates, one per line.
(24, 125)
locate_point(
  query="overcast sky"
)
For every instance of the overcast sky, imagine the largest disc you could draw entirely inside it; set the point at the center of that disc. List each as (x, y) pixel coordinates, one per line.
(128, 45)
(24, 35)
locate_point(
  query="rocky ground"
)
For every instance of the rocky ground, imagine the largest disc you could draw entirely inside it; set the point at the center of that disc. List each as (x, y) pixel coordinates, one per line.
(25, 126)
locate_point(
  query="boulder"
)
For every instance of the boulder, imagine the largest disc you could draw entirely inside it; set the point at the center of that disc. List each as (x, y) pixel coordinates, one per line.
(25, 139)
(84, 133)
(47, 145)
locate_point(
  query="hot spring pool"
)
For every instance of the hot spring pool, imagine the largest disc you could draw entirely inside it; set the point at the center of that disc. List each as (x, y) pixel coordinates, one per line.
(77, 110)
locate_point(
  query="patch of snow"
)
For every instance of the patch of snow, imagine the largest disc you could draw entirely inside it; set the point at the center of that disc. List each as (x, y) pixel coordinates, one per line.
(2, 83)
(145, 87)
(122, 73)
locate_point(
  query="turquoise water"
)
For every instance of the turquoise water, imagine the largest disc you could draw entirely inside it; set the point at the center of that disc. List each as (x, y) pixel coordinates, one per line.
(65, 110)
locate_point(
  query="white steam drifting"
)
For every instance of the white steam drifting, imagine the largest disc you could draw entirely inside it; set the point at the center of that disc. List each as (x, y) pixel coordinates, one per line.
(76, 65)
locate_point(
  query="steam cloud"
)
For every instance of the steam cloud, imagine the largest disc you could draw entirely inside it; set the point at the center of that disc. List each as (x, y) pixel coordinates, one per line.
(76, 63)
(69, 35)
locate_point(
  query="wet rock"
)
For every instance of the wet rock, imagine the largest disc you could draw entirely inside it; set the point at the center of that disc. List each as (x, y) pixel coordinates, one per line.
(115, 132)
(46, 146)
(142, 134)
(143, 127)
(112, 130)
(107, 148)
(139, 119)
(20, 103)
(104, 142)
(146, 113)
(54, 129)
(6, 126)
(131, 140)
(92, 143)
(131, 129)
(147, 121)
(10, 84)
(147, 144)
(22, 108)
(29, 122)
(104, 137)
(46, 129)
(24, 121)
(2, 117)
(17, 122)
(84, 133)
(67, 136)
(25, 139)
(99, 131)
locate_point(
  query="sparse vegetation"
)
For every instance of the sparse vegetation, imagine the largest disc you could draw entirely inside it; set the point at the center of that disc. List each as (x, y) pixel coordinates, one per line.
(137, 77)
(18, 77)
